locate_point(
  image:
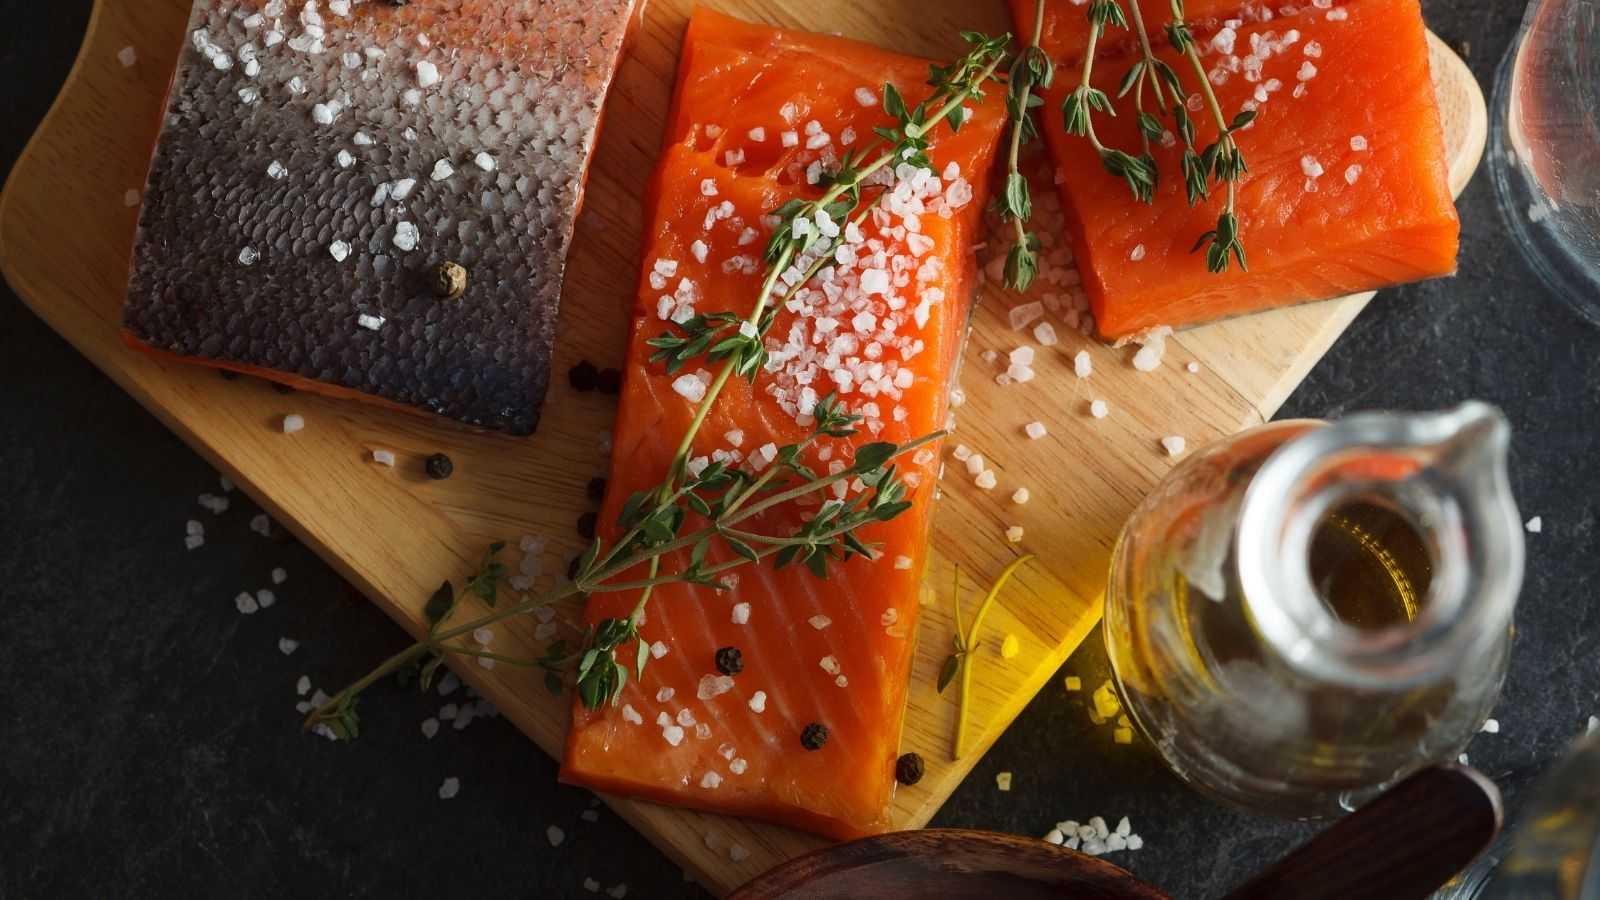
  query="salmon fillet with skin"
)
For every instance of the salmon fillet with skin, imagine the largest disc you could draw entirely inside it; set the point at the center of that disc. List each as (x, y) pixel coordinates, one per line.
(318, 161)
(892, 313)
(1347, 189)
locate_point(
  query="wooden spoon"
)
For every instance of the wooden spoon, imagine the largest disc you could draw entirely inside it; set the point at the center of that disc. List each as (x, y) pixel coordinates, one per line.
(1401, 846)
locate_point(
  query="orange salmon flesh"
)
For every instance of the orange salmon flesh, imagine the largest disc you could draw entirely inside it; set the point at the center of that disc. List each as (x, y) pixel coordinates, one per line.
(1347, 186)
(757, 112)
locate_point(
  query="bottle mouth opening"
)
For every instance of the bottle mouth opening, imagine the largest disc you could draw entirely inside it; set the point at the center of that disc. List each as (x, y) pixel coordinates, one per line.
(1367, 556)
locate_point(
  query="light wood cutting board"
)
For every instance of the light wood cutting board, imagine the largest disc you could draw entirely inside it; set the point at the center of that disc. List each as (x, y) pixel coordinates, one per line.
(65, 235)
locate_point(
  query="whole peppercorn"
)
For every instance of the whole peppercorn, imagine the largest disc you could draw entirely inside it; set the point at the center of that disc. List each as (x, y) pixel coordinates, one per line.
(583, 376)
(439, 467)
(596, 489)
(730, 661)
(909, 769)
(449, 280)
(609, 382)
(586, 523)
(813, 736)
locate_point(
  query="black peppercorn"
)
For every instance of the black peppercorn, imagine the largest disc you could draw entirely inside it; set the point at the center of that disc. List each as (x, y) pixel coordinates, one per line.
(909, 769)
(609, 382)
(583, 376)
(813, 736)
(730, 661)
(439, 467)
(586, 523)
(596, 489)
(449, 280)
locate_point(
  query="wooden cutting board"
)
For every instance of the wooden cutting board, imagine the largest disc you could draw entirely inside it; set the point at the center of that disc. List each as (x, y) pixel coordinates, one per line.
(65, 234)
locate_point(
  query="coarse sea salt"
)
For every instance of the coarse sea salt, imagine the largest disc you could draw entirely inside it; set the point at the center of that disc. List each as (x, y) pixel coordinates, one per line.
(1174, 445)
(450, 788)
(986, 479)
(287, 646)
(741, 613)
(1020, 495)
(1099, 409)
(713, 686)
(1535, 525)
(370, 322)
(279, 576)
(293, 423)
(1082, 364)
(1014, 534)
(820, 622)
(130, 199)
(1035, 430)
(758, 702)
(127, 56)
(555, 835)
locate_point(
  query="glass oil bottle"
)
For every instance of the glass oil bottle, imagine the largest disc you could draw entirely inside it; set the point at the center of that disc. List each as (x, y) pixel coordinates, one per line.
(1305, 613)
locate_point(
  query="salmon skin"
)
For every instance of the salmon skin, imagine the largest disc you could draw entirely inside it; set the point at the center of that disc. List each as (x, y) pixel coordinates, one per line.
(318, 161)
(1347, 188)
(760, 113)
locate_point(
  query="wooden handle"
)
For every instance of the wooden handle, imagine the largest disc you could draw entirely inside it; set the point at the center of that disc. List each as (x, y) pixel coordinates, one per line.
(1405, 844)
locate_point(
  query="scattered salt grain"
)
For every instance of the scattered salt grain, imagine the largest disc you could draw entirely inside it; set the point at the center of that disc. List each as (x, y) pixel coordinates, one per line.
(758, 134)
(288, 646)
(617, 892)
(1045, 334)
(1099, 409)
(130, 199)
(127, 56)
(710, 781)
(1593, 726)
(430, 727)
(343, 159)
(820, 622)
(962, 453)
(690, 387)
(484, 161)
(975, 464)
(829, 664)
(303, 686)
(658, 650)
(590, 815)
(708, 187)
(1082, 364)
(248, 256)
(1358, 143)
(277, 171)
(1310, 167)
(427, 74)
(1025, 314)
(442, 170)
(673, 734)
(402, 189)
(738, 853)
(1535, 525)
(1491, 726)
(758, 702)
(383, 457)
(902, 562)
(448, 712)
(738, 766)
(555, 835)
(406, 237)
(1193, 368)
(293, 423)
(1014, 534)
(1137, 253)
(1073, 683)
(1173, 444)
(1035, 430)
(592, 886)
(711, 686)
(450, 788)
(265, 598)
(1020, 495)
(1352, 174)
(741, 613)
(986, 479)
(1002, 780)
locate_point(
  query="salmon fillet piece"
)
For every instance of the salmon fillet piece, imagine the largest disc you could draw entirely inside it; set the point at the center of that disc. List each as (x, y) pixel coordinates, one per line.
(892, 316)
(318, 161)
(1347, 189)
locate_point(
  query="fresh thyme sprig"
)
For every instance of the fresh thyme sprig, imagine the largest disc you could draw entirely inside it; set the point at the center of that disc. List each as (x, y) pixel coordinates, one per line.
(652, 521)
(960, 661)
(1221, 159)
(1031, 68)
(1078, 109)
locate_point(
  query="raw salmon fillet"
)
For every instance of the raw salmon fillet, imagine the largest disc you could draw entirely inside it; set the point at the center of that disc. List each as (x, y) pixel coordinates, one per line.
(891, 315)
(318, 160)
(1347, 189)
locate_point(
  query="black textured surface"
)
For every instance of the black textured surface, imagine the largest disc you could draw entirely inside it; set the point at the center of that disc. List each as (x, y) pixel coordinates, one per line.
(150, 747)
(232, 262)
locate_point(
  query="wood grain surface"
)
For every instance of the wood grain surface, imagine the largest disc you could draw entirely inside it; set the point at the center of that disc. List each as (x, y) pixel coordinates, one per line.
(65, 235)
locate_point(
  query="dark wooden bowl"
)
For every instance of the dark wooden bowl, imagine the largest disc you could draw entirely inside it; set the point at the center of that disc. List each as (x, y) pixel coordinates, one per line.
(947, 865)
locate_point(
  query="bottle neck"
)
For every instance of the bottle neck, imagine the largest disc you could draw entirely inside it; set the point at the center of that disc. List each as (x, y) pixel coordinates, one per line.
(1444, 476)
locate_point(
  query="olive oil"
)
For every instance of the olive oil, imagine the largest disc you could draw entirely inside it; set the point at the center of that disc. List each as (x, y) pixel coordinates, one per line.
(1370, 565)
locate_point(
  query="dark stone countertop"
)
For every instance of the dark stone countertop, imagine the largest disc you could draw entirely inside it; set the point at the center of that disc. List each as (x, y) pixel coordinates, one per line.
(150, 747)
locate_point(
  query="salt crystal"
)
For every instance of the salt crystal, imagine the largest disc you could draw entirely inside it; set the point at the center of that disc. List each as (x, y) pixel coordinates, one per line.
(405, 237)
(1082, 364)
(484, 161)
(820, 622)
(708, 187)
(1535, 525)
(986, 480)
(265, 598)
(1352, 174)
(279, 576)
(673, 734)
(442, 170)
(450, 788)
(1014, 534)
(1310, 166)
(658, 650)
(1306, 72)
(130, 199)
(1020, 495)
(246, 603)
(617, 892)
(758, 134)
(685, 717)
(741, 613)
(430, 727)
(1148, 358)
(975, 464)
(758, 702)
(427, 74)
(829, 664)
(690, 387)
(339, 250)
(1491, 726)
(194, 541)
(449, 684)
(293, 423)
(1099, 409)
(1135, 842)
(248, 256)
(1002, 780)
(1137, 253)
(1045, 334)
(1193, 368)
(362, 139)
(962, 453)
(343, 159)
(1035, 430)
(902, 562)
(1173, 444)
(710, 781)
(370, 322)
(127, 56)
(1025, 314)
(1358, 143)
(555, 835)
(713, 686)
(287, 646)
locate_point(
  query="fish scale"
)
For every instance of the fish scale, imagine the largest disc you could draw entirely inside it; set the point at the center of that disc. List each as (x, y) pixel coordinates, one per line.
(232, 266)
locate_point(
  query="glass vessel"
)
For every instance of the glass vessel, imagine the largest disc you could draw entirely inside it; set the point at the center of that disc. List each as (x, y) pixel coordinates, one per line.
(1545, 146)
(1303, 614)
